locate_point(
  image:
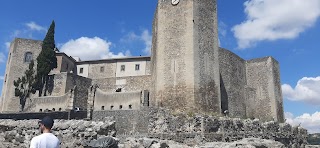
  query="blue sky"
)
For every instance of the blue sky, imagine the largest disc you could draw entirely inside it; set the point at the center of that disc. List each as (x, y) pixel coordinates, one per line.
(288, 30)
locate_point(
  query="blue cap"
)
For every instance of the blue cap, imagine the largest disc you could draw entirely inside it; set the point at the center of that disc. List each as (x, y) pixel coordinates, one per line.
(47, 122)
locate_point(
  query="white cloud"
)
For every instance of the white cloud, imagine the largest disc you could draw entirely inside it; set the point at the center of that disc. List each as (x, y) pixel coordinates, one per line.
(7, 44)
(147, 39)
(144, 37)
(306, 90)
(308, 121)
(222, 28)
(2, 57)
(90, 49)
(34, 26)
(275, 19)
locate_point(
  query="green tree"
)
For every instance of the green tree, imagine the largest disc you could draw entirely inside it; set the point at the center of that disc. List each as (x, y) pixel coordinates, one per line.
(24, 86)
(46, 61)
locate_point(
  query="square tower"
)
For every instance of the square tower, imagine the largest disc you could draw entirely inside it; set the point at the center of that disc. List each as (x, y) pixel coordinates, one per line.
(185, 65)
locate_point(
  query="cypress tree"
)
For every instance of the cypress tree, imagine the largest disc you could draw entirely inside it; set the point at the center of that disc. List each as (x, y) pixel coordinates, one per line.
(46, 61)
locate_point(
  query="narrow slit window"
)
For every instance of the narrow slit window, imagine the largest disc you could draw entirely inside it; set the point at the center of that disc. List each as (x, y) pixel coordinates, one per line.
(81, 70)
(137, 68)
(123, 67)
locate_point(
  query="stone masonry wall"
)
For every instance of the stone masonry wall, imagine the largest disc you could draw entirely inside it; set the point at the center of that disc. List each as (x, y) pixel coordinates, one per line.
(185, 46)
(206, 56)
(117, 100)
(260, 76)
(15, 68)
(128, 84)
(71, 133)
(233, 82)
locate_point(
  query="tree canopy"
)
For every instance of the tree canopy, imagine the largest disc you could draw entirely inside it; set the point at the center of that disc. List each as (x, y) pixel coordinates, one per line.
(46, 61)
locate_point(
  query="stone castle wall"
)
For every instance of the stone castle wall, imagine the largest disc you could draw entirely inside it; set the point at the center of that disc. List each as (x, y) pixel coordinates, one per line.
(186, 63)
(16, 66)
(117, 100)
(56, 103)
(233, 82)
(261, 76)
(127, 84)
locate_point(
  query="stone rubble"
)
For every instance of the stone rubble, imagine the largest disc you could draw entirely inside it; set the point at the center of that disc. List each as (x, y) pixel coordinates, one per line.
(81, 133)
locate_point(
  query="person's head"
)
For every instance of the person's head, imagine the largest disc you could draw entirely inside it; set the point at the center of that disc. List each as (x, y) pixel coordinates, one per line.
(46, 124)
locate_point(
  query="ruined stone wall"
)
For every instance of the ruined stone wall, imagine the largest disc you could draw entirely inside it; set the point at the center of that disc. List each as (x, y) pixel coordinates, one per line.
(127, 84)
(185, 128)
(16, 66)
(261, 76)
(128, 122)
(232, 83)
(71, 133)
(117, 100)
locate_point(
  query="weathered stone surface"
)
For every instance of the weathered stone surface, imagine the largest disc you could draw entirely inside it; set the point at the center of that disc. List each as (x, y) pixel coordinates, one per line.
(71, 134)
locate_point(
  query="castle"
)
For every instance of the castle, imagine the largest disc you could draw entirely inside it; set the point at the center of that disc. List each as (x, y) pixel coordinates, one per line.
(186, 72)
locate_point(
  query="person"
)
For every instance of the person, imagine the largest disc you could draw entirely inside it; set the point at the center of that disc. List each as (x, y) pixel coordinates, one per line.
(46, 139)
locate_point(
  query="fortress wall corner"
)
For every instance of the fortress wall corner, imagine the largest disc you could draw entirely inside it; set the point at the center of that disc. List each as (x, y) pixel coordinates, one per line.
(261, 76)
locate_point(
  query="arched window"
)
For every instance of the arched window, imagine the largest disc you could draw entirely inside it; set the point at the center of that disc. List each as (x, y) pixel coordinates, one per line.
(28, 57)
(102, 107)
(53, 109)
(60, 109)
(120, 107)
(40, 110)
(130, 106)
(111, 107)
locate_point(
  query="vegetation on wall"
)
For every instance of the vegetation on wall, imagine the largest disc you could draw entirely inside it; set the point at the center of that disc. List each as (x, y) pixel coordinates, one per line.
(46, 61)
(25, 85)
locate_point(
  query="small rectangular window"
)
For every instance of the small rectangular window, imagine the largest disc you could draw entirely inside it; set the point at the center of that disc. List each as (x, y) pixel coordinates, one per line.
(137, 67)
(81, 70)
(101, 69)
(123, 67)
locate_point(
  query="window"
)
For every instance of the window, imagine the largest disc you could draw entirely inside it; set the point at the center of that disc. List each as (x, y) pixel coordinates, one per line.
(40, 110)
(9, 57)
(102, 69)
(102, 107)
(53, 109)
(137, 67)
(28, 57)
(120, 107)
(60, 109)
(130, 106)
(81, 70)
(123, 67)
(111, 107)
(5, 79)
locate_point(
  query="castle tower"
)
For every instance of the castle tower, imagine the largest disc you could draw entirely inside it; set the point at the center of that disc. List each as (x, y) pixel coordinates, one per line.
(185, 65)
(21, 52)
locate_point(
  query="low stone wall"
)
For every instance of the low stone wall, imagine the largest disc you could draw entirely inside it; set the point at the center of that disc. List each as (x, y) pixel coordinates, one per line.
(56, 115)
(71, 133)
(161, 124)
(184, 128)
(128, 122)
(117, 100)
(40, 104)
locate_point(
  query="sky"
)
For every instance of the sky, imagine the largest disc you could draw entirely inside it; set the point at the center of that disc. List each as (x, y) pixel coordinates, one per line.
(288, 30)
